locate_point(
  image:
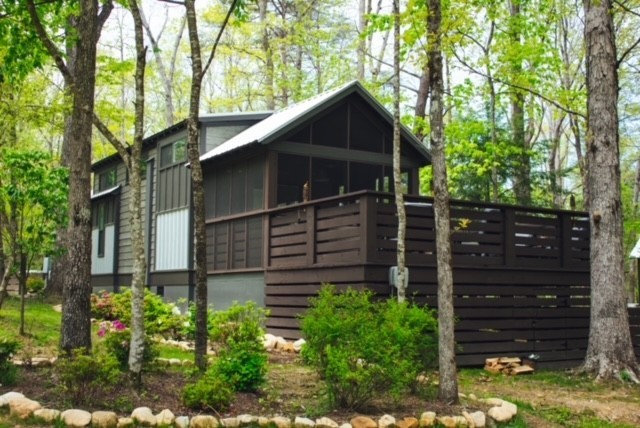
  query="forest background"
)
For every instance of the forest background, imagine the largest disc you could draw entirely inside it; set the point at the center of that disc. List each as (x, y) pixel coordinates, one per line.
(514, 83)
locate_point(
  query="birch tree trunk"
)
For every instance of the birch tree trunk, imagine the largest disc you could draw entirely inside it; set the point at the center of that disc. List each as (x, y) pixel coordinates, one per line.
(610, 351)
(136, 348)
(397, 171)
(448, 385)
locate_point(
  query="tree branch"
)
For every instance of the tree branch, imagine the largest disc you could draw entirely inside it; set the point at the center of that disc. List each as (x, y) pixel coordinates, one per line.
(522, 88)
(122, 150)
(107, 8)
(219, 36)
(48, 43)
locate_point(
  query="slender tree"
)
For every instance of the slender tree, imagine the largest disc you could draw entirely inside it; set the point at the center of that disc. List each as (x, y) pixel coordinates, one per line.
(401, 280)
(448, 385)
(198, 71)
(610, 350)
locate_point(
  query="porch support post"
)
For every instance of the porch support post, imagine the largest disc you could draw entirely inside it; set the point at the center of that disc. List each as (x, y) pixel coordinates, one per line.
(367, 228)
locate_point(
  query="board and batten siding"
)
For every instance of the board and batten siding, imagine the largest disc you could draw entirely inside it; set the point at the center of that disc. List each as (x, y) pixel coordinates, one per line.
(216, 135)
(172, 240)
(125, 249)
(104, 264)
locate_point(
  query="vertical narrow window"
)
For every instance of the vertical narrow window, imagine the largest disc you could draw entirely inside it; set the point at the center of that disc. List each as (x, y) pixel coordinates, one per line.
(101, 225)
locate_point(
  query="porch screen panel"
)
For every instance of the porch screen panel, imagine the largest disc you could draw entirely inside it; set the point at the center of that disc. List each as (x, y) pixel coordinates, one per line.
(172, 245)
(329, 178)
(293, 173)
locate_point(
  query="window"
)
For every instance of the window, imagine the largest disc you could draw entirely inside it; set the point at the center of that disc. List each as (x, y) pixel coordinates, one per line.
(103, 216)
(173, 153)
(107, 179)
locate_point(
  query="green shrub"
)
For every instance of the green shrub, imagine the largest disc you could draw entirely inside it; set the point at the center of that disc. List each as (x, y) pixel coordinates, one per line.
(239, 323)
(85, 378)
(243, 365)
(209, 392)
(8, 372)
(117, 341)
(364, 349)
(159, 317)
(35, 284)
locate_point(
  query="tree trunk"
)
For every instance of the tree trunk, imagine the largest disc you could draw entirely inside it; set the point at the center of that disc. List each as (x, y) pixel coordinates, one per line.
(522, 175)
(136, 347)
(268, 56)
(362, 42)
(610, 351)
(76, 305)
(22, 286)
(197, 188)
(448, 385)
(401, 280)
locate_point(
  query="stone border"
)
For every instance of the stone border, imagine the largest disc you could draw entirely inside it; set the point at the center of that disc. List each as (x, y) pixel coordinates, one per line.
(23, 408)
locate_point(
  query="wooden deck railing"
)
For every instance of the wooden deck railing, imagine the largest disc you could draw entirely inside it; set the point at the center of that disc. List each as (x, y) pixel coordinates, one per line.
(362, 228)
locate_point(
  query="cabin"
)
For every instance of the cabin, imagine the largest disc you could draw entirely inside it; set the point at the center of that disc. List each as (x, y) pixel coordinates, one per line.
(304, 196)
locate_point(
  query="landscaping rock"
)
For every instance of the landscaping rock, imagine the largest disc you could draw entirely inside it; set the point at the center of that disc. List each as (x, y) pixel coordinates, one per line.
(4, 398)
(427, 419)
(298, 344)
(182, 422)
(326, 423)
(447, 421)
(281, 422)
(125, 423)
(48, 416)
(104, 420)
(204, 421)
(22, 407)
(408, 422)
(244, 420)
(346, 425)
(165, 418)
(500, 414)
(510, 406)
(76, 418)
(363, 422)
(262, 421)
(231, 422)
(269, 342)
(387, 421)
(479, 419)
(144, 416)
(300, 422)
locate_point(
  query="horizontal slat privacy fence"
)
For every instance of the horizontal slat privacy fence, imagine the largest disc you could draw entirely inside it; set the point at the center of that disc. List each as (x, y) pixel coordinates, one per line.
(521, 275)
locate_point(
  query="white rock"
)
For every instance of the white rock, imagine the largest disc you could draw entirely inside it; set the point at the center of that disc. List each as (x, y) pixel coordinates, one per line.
(493, 401)
(47, 415)
(182, 422)
(76, 418)
(144, 416)
(510, 406)
(269, 341)
(262, 421)
(298, 344)
(281, 422)
(125, 422)
(479, 419)
(204, 421)
(281, 342)
(175, 362)
(165, 418)
(102, 419)
(300, 422)
(500, 414)
(326, 423)
(387, 421)
(427, 419)
(346, 425)
(231, 422)
(244, 420)
(4, 398)
(23, 407)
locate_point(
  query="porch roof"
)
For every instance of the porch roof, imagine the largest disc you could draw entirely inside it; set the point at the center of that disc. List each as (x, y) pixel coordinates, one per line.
(285, 120)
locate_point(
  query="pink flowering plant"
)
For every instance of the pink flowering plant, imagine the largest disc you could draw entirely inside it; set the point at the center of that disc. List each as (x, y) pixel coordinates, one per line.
(117, 337)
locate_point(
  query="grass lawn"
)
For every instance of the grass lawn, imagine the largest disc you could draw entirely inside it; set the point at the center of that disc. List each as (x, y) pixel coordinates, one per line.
(42, 324)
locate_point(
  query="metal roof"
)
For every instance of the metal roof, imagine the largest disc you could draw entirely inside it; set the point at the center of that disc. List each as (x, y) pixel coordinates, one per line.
(282, 121)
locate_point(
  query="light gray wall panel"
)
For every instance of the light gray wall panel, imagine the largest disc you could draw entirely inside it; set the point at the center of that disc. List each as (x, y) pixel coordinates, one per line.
(100, 265)
(223, 290)
(172, 240)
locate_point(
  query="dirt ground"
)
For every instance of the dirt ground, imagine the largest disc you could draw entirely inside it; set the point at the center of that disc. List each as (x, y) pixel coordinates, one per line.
(292, 389)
